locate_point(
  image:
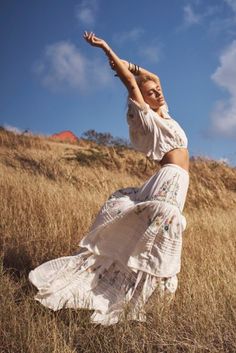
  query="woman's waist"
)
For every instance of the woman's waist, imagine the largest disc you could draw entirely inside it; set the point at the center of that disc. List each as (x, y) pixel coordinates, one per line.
(177, 156)
(170, 184)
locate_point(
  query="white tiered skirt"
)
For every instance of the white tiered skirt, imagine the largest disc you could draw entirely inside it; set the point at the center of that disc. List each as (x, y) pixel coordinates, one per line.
(133, 248)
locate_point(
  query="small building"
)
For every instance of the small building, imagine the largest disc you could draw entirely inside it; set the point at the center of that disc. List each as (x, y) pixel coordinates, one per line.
(65, 136)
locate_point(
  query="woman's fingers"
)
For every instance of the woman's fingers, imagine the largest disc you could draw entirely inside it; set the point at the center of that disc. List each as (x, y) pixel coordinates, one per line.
(88, 35)
(93, 40)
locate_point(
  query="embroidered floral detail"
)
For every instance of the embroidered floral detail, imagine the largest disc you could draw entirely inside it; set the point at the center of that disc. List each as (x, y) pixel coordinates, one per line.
(157, 221)
(167, 224)
(161, 227)
(172, 228)
(168, 191)
(119, 281)
(140, 209)
(178, 139)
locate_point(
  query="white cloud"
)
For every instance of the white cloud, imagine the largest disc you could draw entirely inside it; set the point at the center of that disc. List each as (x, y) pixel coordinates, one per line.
(132, 35)
(224, 113)
(63, 66)
(232, 4)
(190, 17)
(224, 23)
(86, 12)
(14, 129)
(208, 16)
(151, 53)
(221, 25)
(223, 160)
(61, 63)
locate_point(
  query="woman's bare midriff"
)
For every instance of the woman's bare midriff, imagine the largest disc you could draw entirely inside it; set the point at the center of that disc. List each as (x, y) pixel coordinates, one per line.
(179, 156)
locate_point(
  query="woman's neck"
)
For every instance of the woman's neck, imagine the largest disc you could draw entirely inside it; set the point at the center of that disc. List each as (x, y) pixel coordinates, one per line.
(158, 111)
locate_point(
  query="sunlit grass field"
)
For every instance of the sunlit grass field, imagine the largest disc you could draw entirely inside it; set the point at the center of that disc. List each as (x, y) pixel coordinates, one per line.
(50, 194)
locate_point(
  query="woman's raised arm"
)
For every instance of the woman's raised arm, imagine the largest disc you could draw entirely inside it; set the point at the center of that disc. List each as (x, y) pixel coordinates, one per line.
(136, 70)
(119, 66)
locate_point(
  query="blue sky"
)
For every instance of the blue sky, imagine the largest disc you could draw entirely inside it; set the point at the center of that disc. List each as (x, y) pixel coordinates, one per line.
(52, 80)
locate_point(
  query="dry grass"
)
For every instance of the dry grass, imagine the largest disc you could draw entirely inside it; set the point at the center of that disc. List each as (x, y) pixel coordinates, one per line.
(50, 194)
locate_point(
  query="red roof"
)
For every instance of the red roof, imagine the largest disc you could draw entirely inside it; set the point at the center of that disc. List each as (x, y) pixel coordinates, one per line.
(67, 136)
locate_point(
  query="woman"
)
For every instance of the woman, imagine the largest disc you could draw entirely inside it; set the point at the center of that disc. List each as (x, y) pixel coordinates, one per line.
(134, 245)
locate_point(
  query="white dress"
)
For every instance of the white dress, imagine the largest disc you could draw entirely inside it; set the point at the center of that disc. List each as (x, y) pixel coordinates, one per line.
(134, 245)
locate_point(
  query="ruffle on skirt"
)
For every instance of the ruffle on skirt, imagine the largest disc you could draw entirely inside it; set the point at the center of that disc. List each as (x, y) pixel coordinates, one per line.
(133, 248)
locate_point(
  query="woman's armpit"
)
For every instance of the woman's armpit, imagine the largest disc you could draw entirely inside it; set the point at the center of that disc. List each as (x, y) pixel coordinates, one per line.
(133, 104)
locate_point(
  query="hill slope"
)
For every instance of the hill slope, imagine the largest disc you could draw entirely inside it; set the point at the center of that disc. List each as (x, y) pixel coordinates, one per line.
(212, 183)
(51, 192)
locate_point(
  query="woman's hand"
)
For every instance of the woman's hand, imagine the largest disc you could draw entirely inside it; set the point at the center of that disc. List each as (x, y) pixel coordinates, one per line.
(95, 41)
(122, 67)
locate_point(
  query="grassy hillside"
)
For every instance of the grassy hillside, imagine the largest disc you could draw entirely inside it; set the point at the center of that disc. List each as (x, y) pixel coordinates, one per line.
(51, 192)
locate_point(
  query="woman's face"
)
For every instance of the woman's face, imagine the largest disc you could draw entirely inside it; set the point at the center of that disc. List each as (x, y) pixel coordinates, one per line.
(152, 94)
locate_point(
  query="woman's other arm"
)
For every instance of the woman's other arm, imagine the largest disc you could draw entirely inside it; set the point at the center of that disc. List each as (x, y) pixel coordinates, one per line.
(136, 70)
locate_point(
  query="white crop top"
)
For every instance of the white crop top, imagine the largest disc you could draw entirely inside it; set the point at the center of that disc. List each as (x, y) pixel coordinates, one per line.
(152, 134)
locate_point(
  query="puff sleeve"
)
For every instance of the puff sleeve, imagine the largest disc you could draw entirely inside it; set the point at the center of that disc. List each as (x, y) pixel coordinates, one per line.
(143, 131)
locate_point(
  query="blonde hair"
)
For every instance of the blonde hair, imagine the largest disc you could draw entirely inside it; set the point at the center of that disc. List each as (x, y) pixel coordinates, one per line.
(143, 79)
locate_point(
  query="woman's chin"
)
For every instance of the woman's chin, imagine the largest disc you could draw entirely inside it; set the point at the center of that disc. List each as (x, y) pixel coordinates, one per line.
(162, 102)
(158, 106)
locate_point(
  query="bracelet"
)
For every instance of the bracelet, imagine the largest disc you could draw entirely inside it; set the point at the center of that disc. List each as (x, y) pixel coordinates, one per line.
(107, 51)
(135, 69)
